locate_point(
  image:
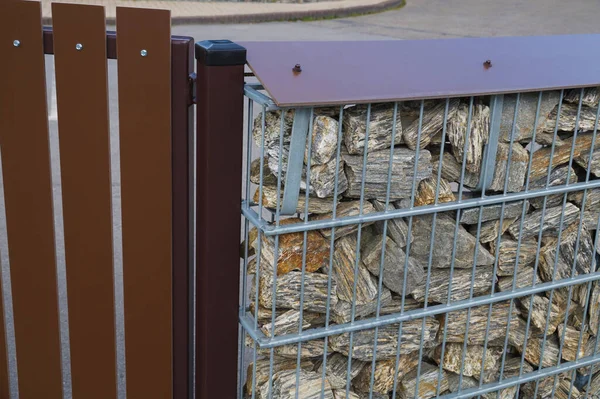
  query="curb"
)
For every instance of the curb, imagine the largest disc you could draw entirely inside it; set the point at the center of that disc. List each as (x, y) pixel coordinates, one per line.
(339, 12)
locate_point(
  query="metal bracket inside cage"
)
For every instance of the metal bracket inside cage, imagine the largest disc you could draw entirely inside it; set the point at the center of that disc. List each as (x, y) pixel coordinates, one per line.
(488, 164)
(293, 176)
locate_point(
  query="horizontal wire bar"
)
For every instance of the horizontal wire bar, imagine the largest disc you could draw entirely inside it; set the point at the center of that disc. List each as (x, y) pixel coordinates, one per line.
(365, 324)
(534, 375)
(253, 217)
(271, 230)
(247, 323)
(252, 92)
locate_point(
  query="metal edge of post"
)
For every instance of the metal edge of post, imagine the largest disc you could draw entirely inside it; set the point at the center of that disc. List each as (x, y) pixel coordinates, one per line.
(219, 143)
(182, 66)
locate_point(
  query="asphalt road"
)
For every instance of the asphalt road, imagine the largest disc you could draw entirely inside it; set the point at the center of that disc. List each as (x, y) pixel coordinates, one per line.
(419, 19)
(422, 19)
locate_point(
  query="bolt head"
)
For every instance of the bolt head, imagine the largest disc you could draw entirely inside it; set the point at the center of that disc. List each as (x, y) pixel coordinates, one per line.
(17, 43)
(79, 47)
(144, 53)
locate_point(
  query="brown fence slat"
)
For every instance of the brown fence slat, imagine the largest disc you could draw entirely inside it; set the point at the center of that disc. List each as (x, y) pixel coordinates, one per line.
(86, 192)
(28, 199)
(145, 137)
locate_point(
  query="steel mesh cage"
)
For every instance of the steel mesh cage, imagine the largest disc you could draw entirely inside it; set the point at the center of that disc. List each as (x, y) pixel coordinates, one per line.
(431, 248)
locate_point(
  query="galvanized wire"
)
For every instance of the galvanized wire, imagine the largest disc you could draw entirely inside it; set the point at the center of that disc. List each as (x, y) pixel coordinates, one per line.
(410, 226)
(253, 213)
(439, 175)
(331, 249)
(383, 247)
(358, 238)
(303, 273)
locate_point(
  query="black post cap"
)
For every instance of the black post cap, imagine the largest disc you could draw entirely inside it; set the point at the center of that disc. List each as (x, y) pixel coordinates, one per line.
(220, 53)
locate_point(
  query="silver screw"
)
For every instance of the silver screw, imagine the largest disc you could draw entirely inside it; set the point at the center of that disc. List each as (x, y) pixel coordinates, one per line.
(144, 53)
(79, 47)
(17, 43)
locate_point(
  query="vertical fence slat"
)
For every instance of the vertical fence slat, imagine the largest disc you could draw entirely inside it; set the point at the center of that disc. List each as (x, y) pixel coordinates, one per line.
(82, 99)
(28, 200)
(145, 137)
(182, 122)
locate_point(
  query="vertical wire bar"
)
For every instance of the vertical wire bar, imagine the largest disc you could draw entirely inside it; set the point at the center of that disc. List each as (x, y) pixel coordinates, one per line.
(302, 278)
(276, 249)
(243, 281)
(483, 195)
(249, 147)
(487, 328)
(589, 285)
(357, 260)
(540, 232)
(242, 311)
(407, 254)
(332, 247)
(460, 191)
(383, 243)
(501, 223)
(246, 224)
(510, 307)
(495, 268)
(593, 265)
(412, 205)
(523, 212)
(432, 243)
(594, 251)
(557, 253)
(558, 241)
(452, 264)
(258, 244)
(561, 341)
(439, 175)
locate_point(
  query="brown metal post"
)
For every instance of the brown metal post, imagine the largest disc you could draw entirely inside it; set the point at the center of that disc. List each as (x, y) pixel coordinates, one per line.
(219, 183)
(182, 66)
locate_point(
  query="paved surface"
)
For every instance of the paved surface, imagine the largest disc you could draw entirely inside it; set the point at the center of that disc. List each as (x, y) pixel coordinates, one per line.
(418, 19)
(235, 12)
(421, 19)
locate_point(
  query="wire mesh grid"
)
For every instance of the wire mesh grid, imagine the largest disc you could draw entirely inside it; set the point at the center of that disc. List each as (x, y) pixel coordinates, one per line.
(435, 248)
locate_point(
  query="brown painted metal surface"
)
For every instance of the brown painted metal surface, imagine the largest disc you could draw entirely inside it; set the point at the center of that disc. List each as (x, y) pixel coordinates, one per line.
(86, 193)
(368, 71)
(111, 43)
(145, 137)
(28, 199)
(219, 173)
(182, 123)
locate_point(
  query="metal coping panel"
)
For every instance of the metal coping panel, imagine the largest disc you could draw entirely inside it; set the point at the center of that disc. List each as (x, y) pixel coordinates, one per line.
(378, 71)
